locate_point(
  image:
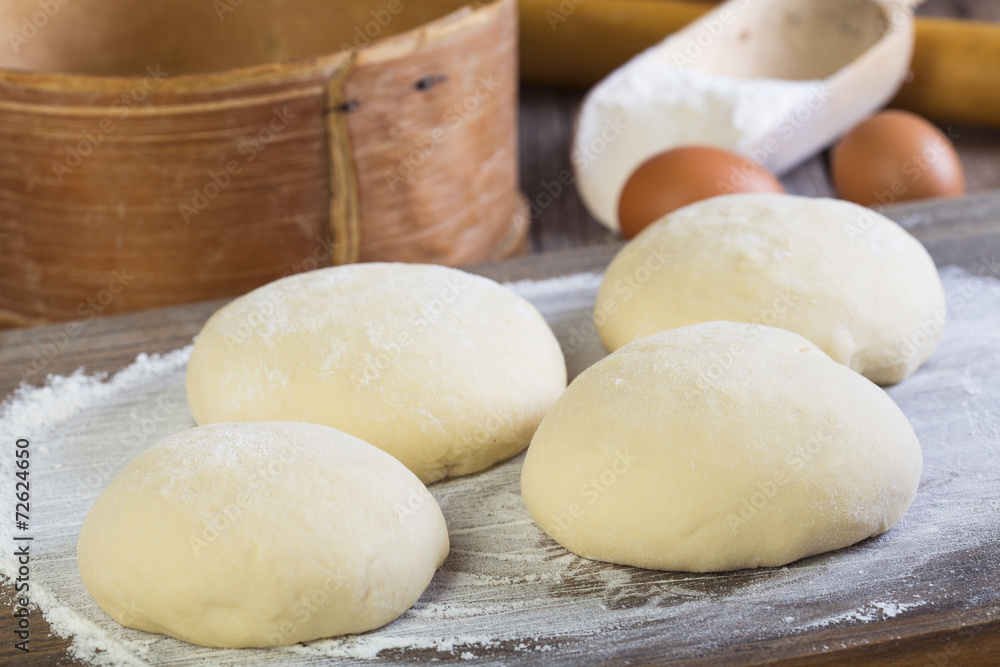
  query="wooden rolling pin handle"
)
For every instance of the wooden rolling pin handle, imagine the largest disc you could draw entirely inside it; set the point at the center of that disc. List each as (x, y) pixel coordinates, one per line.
(956, 73)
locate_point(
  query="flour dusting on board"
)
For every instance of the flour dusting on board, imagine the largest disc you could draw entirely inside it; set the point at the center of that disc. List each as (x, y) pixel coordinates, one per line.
(876, 611)
(507, 589)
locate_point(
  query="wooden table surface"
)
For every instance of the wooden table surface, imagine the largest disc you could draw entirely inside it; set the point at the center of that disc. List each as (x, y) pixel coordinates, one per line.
(965, 233)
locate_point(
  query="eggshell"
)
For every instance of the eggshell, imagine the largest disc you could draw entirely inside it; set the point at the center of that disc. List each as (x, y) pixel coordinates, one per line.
(682, 176)
(895, 156)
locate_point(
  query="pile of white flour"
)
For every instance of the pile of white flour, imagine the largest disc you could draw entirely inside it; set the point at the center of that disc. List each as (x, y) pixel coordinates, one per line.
(506, 587)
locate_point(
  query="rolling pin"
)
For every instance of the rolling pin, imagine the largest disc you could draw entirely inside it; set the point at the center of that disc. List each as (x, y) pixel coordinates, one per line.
(575, 43)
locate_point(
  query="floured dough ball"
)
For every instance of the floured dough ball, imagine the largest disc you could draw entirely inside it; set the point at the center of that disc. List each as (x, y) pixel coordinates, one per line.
(264, 534)
(447, 371)
(719, 446)
(847, 278)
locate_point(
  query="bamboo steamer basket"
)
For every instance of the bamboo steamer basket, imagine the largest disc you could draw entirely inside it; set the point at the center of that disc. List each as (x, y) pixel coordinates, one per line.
(162, 153)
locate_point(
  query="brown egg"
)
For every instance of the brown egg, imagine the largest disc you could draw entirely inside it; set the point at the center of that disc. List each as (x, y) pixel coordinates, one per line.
(895, 156)
(682, 176)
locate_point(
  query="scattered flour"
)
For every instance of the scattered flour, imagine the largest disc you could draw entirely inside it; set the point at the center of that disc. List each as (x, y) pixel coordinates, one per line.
(507, 588)
(876, 611)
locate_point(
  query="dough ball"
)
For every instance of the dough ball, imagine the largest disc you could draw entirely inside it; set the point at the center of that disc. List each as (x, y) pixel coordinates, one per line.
(447, 371)
(719, 446)
(262, 534)
(845, 277)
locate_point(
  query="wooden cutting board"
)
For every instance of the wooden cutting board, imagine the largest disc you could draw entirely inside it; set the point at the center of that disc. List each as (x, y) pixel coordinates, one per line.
(960, 628)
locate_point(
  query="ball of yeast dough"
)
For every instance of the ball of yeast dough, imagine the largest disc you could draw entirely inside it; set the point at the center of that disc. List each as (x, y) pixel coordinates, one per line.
(719, 446)
(263, 534)
(447, 371)
(845, 277)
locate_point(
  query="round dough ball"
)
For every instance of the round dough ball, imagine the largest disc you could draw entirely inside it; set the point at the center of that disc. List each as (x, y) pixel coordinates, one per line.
(847, 278)
(447, 371)
(719, 446)
(262, 534)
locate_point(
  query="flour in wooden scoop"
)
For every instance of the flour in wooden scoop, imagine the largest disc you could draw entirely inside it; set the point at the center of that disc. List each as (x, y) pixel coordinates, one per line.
(507, 589)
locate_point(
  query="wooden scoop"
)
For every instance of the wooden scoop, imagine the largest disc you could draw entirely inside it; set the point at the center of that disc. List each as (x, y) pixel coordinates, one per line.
(858, 50)
(951, 79)
(800, 73)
